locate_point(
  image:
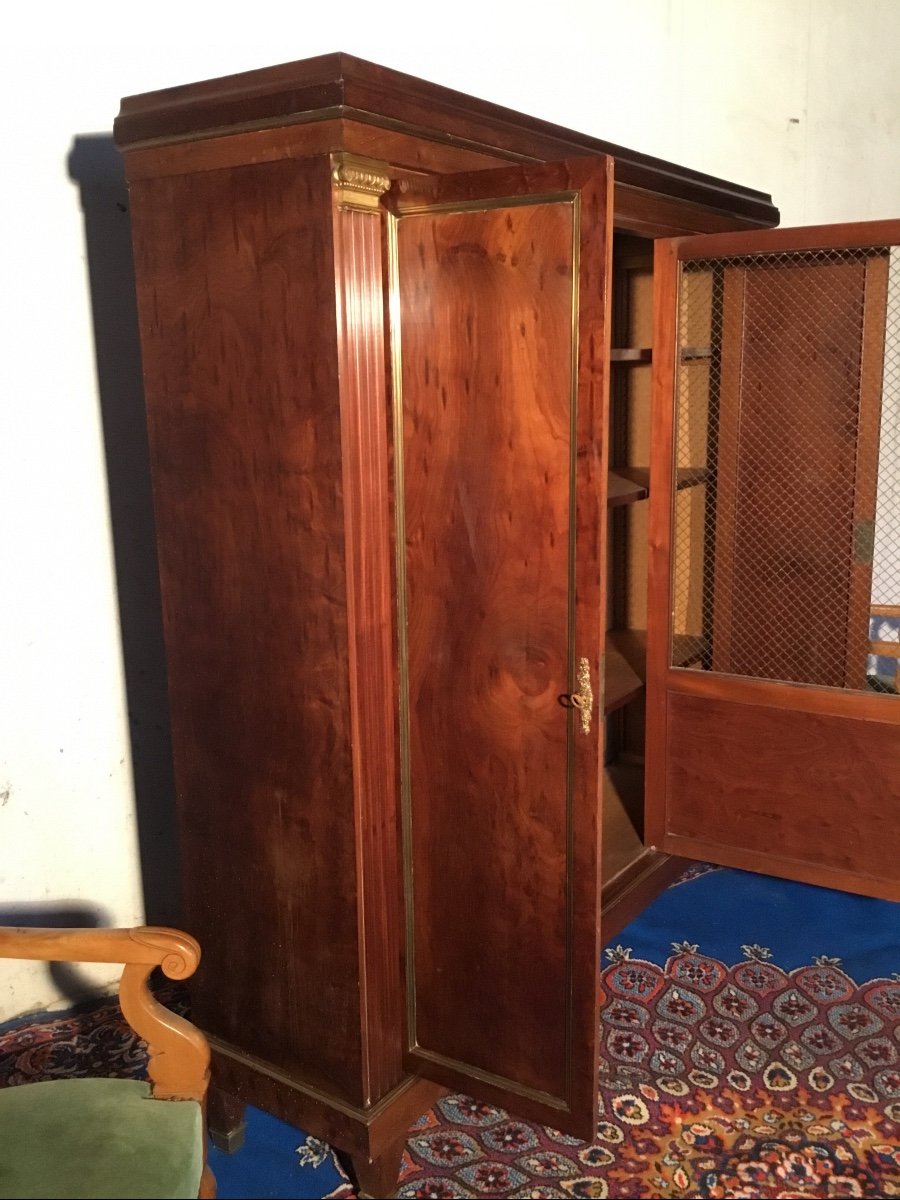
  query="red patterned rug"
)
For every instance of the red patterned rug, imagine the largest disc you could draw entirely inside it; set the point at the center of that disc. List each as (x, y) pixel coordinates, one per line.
(96, 1040)
(744, 1081)
(734, 1082)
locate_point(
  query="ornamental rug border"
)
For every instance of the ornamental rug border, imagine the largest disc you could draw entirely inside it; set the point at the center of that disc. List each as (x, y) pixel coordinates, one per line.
(716, 1081)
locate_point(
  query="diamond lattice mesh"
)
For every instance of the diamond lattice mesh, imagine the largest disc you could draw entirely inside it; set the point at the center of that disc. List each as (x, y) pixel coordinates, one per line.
(786, 524)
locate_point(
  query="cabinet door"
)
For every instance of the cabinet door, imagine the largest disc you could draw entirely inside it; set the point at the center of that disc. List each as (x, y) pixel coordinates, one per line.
(499, 336)
(774, 713)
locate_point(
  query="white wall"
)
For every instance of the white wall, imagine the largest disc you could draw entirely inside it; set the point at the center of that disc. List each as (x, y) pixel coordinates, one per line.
(797, 97)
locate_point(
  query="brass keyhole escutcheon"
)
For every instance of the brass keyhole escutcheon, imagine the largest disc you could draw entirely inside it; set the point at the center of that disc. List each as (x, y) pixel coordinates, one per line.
(583, 699)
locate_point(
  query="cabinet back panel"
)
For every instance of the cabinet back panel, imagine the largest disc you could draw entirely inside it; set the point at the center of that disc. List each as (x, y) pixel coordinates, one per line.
(238, 323)
(487, 379)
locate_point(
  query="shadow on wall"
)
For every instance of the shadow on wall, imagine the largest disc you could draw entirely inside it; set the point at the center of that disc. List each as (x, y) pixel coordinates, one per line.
(60, 914)
(96, 166)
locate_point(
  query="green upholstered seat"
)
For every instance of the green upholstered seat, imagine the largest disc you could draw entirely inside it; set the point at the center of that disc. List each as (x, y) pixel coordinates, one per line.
(97, 1138)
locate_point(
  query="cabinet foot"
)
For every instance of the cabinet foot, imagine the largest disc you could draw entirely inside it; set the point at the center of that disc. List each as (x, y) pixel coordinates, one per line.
(225, 1117)
(377, 1179)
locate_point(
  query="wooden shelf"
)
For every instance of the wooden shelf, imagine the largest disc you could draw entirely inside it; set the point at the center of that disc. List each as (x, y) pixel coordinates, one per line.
(625, 660)
(686, 477)
(632, 645)
(629, 484)
(623, 818)
(626, 485)
(636, 354)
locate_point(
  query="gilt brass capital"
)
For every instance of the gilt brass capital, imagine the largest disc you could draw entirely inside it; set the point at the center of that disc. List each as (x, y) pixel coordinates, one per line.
(357, 183)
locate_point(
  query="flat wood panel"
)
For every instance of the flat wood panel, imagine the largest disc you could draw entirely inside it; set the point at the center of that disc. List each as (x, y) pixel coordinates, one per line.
(822, 794)
(487, 389)
(236, 292)
(500, 415)
(626, 486)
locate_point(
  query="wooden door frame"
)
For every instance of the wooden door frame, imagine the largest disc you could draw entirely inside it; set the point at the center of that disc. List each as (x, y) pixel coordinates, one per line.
(587, 183)
(667, 685)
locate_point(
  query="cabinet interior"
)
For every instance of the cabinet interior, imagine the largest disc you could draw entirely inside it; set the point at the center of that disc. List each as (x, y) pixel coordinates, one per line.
(627, 511)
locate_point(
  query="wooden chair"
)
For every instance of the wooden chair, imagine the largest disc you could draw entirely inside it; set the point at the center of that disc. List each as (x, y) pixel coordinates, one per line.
(113, 1137)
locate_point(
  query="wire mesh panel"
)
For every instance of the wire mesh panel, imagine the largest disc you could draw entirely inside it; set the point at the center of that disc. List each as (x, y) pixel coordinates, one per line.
(786, 522)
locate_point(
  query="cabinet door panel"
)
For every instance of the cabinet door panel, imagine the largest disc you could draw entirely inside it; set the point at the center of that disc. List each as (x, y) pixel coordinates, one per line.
(499, 303)
(778, 389)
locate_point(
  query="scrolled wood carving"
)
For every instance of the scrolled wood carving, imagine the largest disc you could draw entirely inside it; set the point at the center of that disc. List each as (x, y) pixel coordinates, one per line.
(178, 1052)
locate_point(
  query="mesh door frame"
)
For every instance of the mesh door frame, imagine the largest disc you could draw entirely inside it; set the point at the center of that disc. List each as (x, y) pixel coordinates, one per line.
(667, 686)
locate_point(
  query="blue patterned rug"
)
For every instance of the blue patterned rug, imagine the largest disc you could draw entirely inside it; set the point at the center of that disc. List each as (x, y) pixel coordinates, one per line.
(751, 1045)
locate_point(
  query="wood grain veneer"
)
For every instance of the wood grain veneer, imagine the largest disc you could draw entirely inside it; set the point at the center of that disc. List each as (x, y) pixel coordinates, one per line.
(487, 411)
(275, 479)
(812, 806)
(503, 495)
(343, 86)
(236, 277)
(368, 541)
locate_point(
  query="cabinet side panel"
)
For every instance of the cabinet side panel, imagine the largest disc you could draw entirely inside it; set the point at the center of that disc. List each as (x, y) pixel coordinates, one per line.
(235, 275)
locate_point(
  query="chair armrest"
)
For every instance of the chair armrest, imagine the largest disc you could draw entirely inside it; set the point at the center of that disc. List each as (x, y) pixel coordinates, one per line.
(175, 952)
(178, 1052)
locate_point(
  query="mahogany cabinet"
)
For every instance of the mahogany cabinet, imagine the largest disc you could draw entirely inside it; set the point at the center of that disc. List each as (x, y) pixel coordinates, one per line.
(511, 493)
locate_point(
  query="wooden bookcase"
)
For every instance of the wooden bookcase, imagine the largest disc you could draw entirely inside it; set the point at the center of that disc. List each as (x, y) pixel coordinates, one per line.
(410, 365)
